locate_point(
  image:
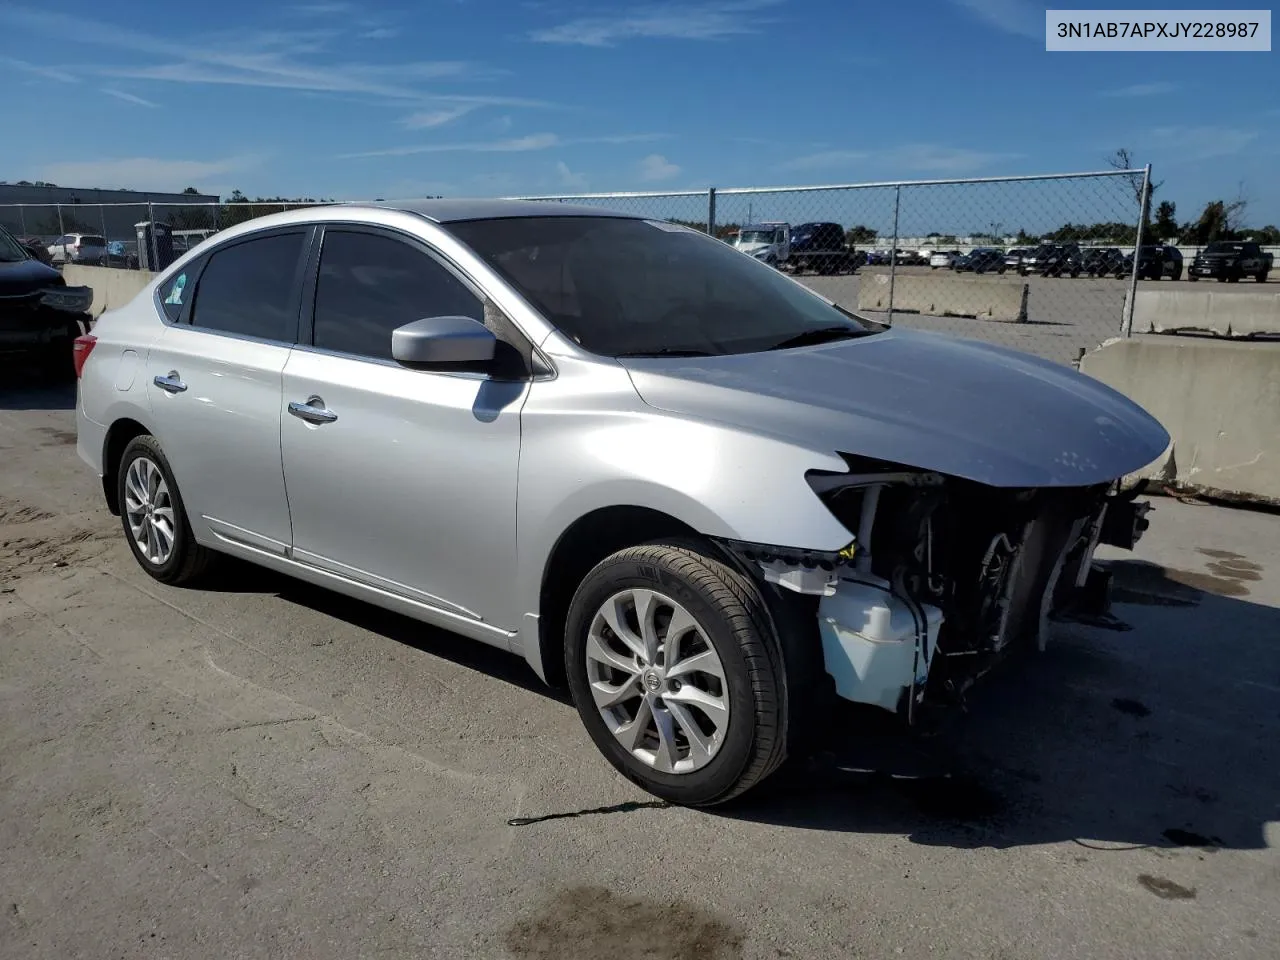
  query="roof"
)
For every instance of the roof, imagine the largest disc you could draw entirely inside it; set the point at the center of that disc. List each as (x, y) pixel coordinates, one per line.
(453, 211)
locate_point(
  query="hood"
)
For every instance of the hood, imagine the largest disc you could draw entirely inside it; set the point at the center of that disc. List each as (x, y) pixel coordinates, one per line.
(930, 401)
(26, 277)
(754, 248)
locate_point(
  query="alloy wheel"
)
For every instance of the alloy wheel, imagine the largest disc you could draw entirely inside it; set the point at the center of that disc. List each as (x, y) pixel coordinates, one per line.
(149, 510)
(657, 681)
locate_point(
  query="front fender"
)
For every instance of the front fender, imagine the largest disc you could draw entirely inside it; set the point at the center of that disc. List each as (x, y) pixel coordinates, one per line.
(589, 442)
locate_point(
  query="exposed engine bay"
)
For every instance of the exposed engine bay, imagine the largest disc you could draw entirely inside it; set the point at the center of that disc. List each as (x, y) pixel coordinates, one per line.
(946, 575)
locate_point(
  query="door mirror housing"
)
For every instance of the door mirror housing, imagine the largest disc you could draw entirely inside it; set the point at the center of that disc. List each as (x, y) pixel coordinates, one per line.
(443, 342)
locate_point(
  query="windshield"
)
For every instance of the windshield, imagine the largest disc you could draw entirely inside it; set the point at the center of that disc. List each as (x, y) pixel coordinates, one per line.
(1221, 246)
(93, 241)
(10, 250)
(758, 236)
(621, 287)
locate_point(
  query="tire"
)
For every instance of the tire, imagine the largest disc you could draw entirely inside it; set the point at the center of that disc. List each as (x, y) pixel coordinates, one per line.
(186, 560)
(56, 359)
(1261, 276)
(1176, 274)
(1234, 278)
(729, 617)
(1193, 278)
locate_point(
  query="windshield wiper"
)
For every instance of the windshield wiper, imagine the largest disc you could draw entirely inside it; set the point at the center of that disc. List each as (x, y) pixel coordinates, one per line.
(667, 352)
(820, 335)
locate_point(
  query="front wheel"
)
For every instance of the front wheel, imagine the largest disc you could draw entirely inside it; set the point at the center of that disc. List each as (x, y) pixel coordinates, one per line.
(154, 517)
(677, 673)
(1262, 276)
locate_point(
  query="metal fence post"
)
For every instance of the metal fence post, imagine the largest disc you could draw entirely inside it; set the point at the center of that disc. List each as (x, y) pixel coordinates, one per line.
(22, 218)
(711, 211)
(893, 251)
(1144, 210)
(102, 216)
(153, 250)
(61, 229)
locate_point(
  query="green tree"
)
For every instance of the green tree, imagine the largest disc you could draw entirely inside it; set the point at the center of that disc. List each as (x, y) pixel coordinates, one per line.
(1165, 226)
(859, 234)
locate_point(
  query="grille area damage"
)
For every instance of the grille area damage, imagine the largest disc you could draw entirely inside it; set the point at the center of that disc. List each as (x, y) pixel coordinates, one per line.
(946, 576)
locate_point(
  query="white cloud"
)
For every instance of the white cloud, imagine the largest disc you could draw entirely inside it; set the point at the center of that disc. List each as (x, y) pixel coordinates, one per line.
(426, 119)
(1153, 89)
(568, 179)
(695, 21)
(48, 73)
(1202, 143)
(1018, 17)
(910, 158)
(656, 167)
(268, 59)
(143, 173)
(128, 97)
(827, 159)
(380, 33)
(949, 161)
(533, 141)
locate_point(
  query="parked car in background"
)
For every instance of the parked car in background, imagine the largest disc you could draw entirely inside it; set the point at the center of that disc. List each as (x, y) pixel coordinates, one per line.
(1052, 260)
(40, 315)
(1231, 260)
(1013, 259)
(774, 505)
(913, 258)
(768, 242)
(879, 258)
(1156, 262)
(79, 248)
(981, 260)
(818, 247)
(1103, 262)
(943, 259)
(123, 254)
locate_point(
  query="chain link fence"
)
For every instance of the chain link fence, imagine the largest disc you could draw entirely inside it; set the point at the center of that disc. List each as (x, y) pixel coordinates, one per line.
(117, 235)
(1040, 264)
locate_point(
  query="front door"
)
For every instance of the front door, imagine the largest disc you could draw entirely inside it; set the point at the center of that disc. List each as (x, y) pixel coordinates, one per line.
(213, 380)
(402, 479)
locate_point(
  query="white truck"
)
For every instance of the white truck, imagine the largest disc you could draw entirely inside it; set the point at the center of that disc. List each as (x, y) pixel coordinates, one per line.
(769, 241)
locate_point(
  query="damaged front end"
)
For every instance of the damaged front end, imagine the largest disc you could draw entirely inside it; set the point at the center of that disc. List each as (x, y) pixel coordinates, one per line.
(945, 576)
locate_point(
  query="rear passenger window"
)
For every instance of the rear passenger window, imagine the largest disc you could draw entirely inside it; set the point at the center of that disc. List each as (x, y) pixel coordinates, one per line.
(176, 293)
(248, 288)
(371, 284)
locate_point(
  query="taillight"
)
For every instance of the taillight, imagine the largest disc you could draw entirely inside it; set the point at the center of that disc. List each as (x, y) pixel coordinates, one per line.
(80, 350)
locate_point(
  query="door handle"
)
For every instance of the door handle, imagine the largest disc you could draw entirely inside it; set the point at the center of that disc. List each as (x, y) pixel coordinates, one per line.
(172, 383)
(313, 411)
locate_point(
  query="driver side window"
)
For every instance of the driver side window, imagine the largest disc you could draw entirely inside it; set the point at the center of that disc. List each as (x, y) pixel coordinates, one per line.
(370, 284)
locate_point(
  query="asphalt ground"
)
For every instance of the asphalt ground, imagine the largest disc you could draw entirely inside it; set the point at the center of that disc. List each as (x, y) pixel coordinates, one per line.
(261, 769)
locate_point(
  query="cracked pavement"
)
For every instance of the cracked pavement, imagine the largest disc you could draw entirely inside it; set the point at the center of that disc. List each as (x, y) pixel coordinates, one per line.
(262, 769)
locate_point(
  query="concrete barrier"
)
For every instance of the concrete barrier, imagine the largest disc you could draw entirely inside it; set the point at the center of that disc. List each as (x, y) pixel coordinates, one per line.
(986, 298)
(1220, 402)
(1239, 313)
(112, 288)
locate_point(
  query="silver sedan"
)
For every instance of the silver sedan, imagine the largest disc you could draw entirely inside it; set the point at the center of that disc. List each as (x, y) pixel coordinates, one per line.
(707, 499)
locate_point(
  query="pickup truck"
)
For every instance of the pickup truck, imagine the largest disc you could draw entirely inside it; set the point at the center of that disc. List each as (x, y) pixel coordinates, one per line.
(819, 247)
(40, 315)
(1231, 260)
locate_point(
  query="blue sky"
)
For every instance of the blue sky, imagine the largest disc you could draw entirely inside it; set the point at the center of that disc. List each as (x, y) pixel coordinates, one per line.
(490, 97)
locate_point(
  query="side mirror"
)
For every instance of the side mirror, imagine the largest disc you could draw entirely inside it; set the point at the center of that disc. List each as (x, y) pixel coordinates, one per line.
(443, 341)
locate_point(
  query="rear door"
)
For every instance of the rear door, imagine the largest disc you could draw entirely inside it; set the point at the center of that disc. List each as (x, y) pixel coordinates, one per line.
(214, 380)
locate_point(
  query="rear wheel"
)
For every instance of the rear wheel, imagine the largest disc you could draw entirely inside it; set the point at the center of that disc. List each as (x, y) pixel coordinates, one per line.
(677, 673)
(1261, 276)
(154, 517)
